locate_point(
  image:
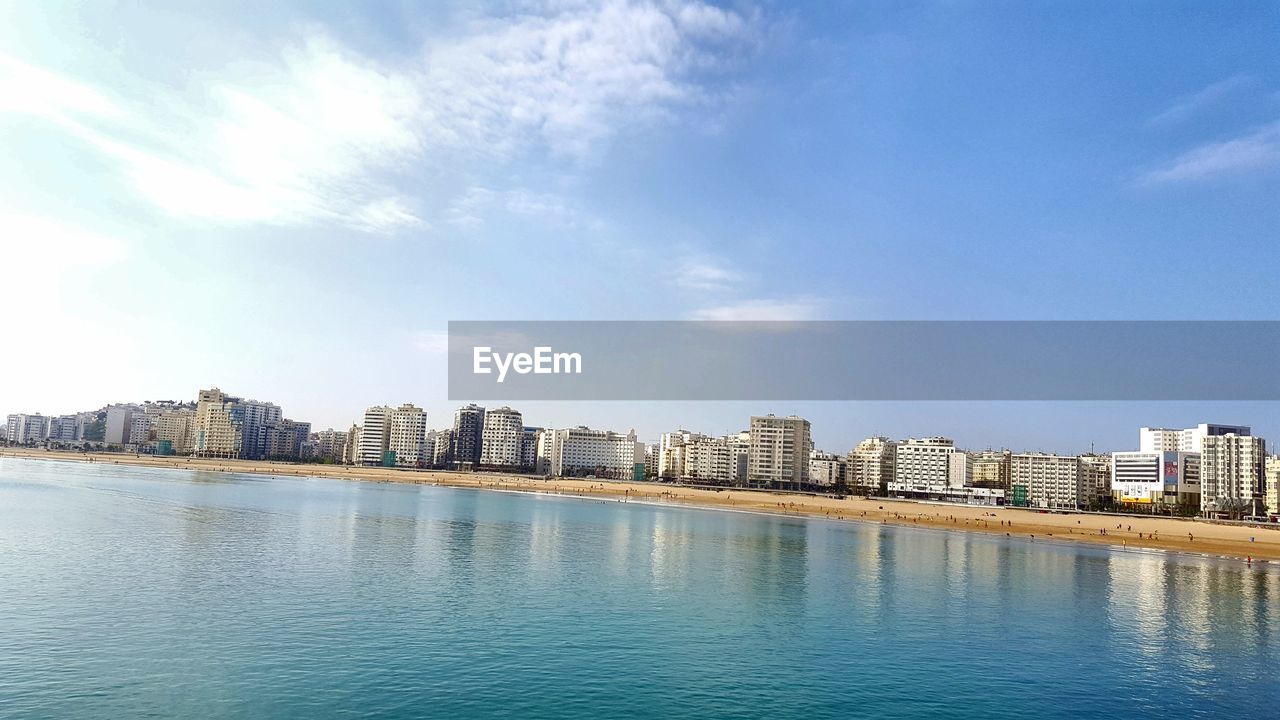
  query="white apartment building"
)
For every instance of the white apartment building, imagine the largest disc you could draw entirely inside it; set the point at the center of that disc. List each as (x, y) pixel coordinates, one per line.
(1191, 440)
(1048, 481)
(375, 435)
(529, 448)
(826, 469)
(1232, 474)
(989, 469)
(351, 446)
(923, 466)
(176, 428)
(1273, 485)
(778, 455)
(139, 428)
(581, 451)
(869, 466)
(219, 425)
(709, 460)
(407, 435)
(671, 460)
(501, 438)
(119, 425)
(329, 443)
(21, 428)
(1159, 479)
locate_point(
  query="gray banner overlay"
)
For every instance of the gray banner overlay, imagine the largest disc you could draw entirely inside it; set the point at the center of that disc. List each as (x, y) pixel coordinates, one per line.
(864, 360)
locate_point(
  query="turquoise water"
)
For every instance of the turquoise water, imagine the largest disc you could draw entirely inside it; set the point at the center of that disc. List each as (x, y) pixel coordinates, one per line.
(130, 592)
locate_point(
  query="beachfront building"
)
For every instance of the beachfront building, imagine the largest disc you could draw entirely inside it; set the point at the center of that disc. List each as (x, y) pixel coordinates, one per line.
(1156, 481)
(583, 452)
(65, 428)
(529, 448)
(467, 439)
(708, 460)
(869, 466)
(826, 470)
(139, 428)
(329, 444)
(219, 425)
(1232, 475)
(990, 469)
(284, 439)
(351, 446)
(375, 436)
(501, 439)
(1272, 493)
(119, 425)
(778, 455)
(441, 457)
(1095, 480)
(257, 416)
(740, 449)
(407, 436)
(174, 431)
(23, 429)
(924, 467)
(671, 453)
(1045, 480)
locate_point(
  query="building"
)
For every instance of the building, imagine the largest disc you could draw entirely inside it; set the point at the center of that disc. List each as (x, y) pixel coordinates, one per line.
(990, 469)
(1189, 440)
(407, 436)
(139, 428)
(671, 461)
(284, 439)
(1232, 475)
(708, 461)
(583, 452)
(329, 444)
(375, 437)
(467, 439)
(1156, 481)
(65, 428)
(257, 416)
(22, 429)
(351, 446)
(501, 439)
(826, 470)
(1273, 486)
(219, 425)
(443, 448)
(119, 424)
(529, 448)
(923, 467)
(1095, 480)
(778, 455)
(1044, 480)
(869, 467)
(174, 431)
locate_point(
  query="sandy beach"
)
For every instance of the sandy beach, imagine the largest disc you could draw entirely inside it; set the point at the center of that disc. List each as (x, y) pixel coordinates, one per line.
(1130, 532)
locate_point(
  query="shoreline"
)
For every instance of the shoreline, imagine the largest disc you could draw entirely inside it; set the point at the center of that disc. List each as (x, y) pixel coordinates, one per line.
(1121, 533)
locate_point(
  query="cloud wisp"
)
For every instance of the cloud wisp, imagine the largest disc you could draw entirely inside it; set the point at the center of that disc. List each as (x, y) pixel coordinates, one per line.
(1190, 105)
(1256, 150)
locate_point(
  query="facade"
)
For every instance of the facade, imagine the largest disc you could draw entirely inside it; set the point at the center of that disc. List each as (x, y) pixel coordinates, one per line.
(65, 428)
(329, 444)
(529, 448)
(407, 436)
(284, 439)
(583, 452)
(1185, 440)
(826, 469)
(351, 446)
(923, 466)
(1156, 480)
(501, 439)
(1043, 480)
(219, 425)
(778, 456)
(176, 429)
(990, 469)
(139, 428)
(443, 448)
(257, 416)
(375, 436)
(22, 429)
(1232, 474)
(708, 460)
(1273, 486)
(870, 465)
(119, 425)
(671, 460)
(467, 439)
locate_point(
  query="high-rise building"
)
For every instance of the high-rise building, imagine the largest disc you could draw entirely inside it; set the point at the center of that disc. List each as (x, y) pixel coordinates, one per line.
(1157, 480)
(329, 444)
(923, 466)
(870, 465)
(529, 448)
(257, 416)
(351, 446)
(501, 439)
(375, 436)
(139, 428)
(65, 428)
(407, 436)
(219, 425)
(1044, 480)
(990, 469)
(284, 439)
(468, 437)
(778, 455)
(707, 460)
(1191, 440)
(176, 429)
(443, 448)
(583, 452)
(1232, 474)
(22, 429)
(119, 424)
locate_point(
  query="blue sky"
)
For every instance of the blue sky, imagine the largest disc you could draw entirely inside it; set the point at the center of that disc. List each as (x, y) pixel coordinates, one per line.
(290, 200)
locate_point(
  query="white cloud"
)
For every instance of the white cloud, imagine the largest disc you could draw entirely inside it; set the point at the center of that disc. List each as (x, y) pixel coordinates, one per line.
(700, 272)
(320, 133)
(802, 308)
(432, 342)
(473, 208)
(1194, 103)
(1254, 151)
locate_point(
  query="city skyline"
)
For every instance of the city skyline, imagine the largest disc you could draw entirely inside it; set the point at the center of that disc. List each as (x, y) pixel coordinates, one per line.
(176, 214)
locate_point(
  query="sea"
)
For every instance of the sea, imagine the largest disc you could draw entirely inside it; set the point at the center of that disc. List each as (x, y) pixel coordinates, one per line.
(131, 592)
